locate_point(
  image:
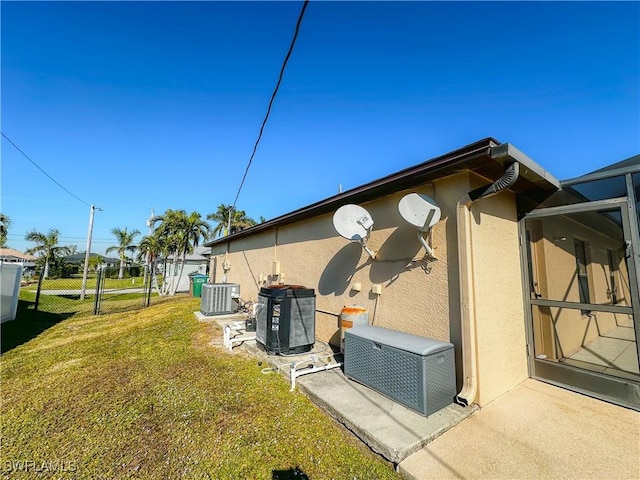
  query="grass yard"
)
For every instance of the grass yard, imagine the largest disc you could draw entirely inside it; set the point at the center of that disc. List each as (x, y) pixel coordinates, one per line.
(75, 283)
(60, 304)
(144, 395)
(71, 305)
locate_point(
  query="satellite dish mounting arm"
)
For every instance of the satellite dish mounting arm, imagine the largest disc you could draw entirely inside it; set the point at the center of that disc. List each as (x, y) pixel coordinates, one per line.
(427, 228)
(426, 246)
(371, 253)
(367, 224)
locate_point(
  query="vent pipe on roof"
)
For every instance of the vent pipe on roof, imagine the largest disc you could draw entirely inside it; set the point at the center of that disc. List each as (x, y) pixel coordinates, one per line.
(467, 290)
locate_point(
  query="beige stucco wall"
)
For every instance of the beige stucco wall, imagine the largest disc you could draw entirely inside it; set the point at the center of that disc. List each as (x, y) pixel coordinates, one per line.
(418, 297)
(500, 319)
(312, 254)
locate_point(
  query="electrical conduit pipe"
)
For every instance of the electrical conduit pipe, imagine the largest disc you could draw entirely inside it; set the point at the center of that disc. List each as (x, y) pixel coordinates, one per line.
(467, 395)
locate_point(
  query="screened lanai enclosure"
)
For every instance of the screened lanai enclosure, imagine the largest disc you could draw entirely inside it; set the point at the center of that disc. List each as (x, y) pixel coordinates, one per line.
(580, 251)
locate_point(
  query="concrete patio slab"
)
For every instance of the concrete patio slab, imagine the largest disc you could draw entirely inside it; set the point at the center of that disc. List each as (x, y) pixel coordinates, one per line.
(535, 431)
(386, 426)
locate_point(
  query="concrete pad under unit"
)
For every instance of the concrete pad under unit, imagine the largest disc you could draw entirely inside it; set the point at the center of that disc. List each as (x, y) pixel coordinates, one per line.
(387, 427)
(220, 319)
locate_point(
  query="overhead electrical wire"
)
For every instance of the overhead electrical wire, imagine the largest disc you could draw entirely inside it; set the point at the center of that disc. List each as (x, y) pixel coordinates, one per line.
(42, 170)
(65, 238)
(273, 96)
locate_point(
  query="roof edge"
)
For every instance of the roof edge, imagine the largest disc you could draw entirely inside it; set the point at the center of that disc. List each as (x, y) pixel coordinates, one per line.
(607, 172)
(368, 191)
(531, 170)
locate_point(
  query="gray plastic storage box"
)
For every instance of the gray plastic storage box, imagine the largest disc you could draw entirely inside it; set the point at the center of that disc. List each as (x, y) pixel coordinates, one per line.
(415, 371)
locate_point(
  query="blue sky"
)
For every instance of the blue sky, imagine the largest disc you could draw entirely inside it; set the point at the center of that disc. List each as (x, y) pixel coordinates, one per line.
(133, 106)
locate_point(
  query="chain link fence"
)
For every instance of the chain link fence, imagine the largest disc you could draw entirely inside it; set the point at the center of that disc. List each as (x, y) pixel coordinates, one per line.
(106, 290)
(117, 291)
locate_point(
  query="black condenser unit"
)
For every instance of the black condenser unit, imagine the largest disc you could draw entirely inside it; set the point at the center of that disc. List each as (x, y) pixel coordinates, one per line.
(286, 319)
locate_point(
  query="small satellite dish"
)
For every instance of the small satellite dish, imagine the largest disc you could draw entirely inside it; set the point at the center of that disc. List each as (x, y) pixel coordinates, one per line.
(419, 210)
(423, 213)
(352, 222)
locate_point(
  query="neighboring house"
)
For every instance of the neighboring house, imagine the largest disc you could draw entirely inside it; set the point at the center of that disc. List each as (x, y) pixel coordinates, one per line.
(28, 262)
(517, 288)
(196, 262)
(78, 259)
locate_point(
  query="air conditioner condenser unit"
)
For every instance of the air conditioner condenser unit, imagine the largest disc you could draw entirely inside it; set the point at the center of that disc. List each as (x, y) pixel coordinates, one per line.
(219, 298)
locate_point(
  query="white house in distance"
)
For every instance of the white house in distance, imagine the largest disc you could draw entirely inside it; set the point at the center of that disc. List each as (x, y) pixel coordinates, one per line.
(9, 255)
(196, 262)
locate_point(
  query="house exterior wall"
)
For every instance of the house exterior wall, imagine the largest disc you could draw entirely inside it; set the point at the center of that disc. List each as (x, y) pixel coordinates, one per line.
(418, 297)
(500, 318)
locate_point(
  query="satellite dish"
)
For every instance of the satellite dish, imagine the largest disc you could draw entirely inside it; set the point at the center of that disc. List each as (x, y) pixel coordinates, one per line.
(352, 222)
(423, 213)
(419, 210)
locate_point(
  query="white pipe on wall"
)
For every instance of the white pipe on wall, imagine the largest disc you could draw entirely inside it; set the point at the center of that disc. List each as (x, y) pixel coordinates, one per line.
(467, 288)
(467, 303)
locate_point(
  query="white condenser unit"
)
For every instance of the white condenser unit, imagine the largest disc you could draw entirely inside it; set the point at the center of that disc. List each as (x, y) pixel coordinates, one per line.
(219, 298)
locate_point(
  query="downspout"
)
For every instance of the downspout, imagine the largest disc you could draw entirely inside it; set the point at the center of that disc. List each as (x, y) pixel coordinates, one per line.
(467, 291)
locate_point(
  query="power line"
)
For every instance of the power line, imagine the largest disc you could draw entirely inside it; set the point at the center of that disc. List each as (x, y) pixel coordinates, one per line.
(17, 236)
(40, 168)
(273, 96)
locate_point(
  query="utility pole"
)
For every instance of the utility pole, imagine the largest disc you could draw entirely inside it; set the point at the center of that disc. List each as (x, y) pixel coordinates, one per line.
(87, 253)
(150, 224)
(225, 263)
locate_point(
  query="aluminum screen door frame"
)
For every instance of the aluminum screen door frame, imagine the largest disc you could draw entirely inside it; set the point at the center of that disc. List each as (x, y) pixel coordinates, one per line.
(621, 391)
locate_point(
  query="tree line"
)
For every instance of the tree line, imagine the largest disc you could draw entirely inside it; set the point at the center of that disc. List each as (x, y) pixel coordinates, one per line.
(175, 234)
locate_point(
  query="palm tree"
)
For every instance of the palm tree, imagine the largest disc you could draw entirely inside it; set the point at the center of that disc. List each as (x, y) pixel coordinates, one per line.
(181, 233)
(167, 234)
(125, 244)
(221, 217)
(46, 246)
(194, 229)
(151, 245)
(95, 261)
(5, 222)
(151, 248)
(239, 220)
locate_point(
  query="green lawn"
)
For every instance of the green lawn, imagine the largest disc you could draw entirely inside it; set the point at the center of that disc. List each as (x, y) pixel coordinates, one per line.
(144, 395)
(75, 283)
(59, 304)
(68, 305)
